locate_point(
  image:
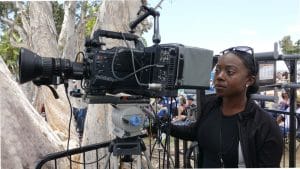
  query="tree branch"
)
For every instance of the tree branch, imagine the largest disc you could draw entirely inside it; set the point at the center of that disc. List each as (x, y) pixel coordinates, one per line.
(23, 15)
(159, 4)
(7, 21)
(14, 42)
(83, 16)
(15, 27)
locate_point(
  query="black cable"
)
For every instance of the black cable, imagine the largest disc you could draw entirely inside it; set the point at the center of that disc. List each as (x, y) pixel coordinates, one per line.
(159, 124)
(82, 83)
(167, 140)
(130, 74)
(69, 132)
(133, 63)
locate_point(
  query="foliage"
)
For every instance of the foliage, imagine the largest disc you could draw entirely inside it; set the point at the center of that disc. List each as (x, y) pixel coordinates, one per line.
(89, 26)
(92, 9)
(58, 15)
(7, 8)
(288, 47)
(9, 53)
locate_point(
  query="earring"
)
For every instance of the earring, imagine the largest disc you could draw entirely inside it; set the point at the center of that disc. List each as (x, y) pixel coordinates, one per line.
(247, 85)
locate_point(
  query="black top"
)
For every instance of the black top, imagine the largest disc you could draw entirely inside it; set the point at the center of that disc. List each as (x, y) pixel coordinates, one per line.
(258, 134)
(221, 143)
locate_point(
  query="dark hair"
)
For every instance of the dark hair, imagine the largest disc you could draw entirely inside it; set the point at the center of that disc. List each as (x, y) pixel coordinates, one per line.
(251, 64)
(285, 91)
(189, 97)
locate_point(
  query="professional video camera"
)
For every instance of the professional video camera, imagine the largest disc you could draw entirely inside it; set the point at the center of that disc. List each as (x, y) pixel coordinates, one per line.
(133, 71)
(139, 71)
(153, 71)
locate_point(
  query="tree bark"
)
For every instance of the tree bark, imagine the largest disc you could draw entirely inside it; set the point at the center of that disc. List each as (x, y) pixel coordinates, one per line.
(40, 36)
(25, 136)
(113, 16)
(45, 44)
(67, 37)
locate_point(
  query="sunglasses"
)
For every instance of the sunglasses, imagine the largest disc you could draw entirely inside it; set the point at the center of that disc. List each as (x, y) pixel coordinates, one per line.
(239, 49)
(242, 51)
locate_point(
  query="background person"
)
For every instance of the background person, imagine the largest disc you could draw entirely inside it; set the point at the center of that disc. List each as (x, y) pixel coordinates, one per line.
(190, 108)
(283, 120)
(181, 109)
(285, 100)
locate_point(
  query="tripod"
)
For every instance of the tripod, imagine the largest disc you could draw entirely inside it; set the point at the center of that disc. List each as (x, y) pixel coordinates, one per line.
(125, 148)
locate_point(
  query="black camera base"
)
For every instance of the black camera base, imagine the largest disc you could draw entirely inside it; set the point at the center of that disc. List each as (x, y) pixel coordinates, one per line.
(125, 148)
(115, 99)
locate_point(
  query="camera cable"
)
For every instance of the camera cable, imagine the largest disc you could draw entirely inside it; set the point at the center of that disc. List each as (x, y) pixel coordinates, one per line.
(163, 127)
(130, 74)
(69, 132)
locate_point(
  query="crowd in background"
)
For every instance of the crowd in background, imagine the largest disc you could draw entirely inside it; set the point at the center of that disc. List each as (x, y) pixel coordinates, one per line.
(181, 109)
(283, 120)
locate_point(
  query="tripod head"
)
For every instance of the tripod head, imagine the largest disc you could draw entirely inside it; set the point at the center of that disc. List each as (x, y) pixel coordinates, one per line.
(128, 120)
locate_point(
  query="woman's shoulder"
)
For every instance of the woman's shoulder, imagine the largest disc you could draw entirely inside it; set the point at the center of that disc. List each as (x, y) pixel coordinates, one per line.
(211, 101)
(255, 110)
(261, 116)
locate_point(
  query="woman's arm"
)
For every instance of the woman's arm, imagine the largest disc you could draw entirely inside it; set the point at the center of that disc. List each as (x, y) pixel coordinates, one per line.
(185, 132)
(180, 116)
(270, 152)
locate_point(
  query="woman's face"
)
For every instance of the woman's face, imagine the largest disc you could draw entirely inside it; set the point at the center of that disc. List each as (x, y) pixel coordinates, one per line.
(231, 76)
(285, 96)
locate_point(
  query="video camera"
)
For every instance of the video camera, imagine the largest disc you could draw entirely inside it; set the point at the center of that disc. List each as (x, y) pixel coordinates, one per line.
(139, 71)
(154, 71)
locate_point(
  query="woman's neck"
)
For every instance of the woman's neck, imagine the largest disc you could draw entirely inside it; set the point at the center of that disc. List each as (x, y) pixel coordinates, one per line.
(233, 105)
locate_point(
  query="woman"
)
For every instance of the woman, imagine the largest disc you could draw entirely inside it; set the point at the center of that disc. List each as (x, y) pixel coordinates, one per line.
(232, 131)
(181, 109)
(285, 102)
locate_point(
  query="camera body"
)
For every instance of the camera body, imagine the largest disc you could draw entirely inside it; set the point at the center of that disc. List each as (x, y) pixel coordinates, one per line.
(169, 66)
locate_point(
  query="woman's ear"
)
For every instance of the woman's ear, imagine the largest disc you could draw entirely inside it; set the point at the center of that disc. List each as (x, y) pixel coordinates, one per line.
(251, 80)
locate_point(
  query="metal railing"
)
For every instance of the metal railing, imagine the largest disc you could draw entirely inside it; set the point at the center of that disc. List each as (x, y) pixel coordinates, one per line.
(69, 153)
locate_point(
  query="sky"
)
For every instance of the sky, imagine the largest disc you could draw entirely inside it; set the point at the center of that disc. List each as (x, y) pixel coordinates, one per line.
(220, 24)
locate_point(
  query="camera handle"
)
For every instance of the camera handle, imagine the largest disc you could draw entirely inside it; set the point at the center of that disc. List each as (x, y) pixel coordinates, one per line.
(149, 11)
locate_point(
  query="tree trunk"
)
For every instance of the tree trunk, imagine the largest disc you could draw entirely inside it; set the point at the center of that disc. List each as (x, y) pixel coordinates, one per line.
(45, 44)
(113, 16)
(25, 136)
(67, 37)
(40, 36)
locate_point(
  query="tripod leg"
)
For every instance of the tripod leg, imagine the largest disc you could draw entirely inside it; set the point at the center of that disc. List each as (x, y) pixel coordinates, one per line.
(167, 153)
(115, 162)
(139, 161)
(148, 160)
(114, 159)
(107, 161)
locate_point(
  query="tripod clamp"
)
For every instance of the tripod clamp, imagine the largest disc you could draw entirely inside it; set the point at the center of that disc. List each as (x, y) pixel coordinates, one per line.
(125, 148)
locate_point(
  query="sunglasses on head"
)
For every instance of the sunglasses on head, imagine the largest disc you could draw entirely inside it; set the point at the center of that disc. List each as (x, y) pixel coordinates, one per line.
(239, 49)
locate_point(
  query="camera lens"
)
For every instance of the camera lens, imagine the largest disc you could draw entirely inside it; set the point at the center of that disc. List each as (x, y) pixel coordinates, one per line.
(33, 66)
